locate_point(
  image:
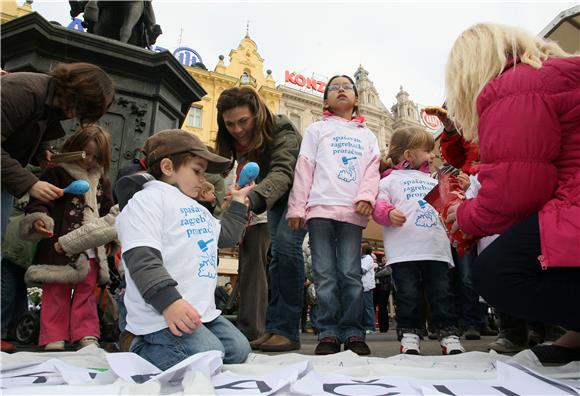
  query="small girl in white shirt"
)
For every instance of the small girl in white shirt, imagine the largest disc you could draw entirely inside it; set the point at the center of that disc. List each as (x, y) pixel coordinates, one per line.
(335, 186)
(415, 241)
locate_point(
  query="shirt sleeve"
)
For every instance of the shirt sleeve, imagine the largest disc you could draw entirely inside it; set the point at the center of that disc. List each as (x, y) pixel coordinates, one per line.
(141, 221)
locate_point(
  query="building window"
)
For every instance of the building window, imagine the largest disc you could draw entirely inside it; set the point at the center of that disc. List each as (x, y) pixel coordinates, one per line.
(194, 118)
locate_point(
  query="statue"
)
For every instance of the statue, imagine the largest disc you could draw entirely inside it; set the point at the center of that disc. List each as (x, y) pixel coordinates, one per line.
(130, 22)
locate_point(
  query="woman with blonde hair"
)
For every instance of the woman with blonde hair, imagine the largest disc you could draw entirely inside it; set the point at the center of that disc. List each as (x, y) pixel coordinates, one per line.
(519, 96)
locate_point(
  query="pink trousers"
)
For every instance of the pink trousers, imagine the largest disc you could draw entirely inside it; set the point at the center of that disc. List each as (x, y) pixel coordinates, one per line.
(69, 311)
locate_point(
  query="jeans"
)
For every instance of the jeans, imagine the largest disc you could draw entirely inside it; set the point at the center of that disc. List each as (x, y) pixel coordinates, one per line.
(509, 276)
(7, 202)
(14, 296)
(335, 248)
(434, 275)
(165, 350)
(286, 273)
(468, 306)
(369, 311)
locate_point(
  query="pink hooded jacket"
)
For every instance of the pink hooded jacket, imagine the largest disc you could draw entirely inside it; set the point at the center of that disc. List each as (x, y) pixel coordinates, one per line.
(529, 140)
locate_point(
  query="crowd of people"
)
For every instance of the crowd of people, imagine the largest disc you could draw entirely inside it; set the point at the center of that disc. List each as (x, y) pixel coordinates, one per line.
(512, 132)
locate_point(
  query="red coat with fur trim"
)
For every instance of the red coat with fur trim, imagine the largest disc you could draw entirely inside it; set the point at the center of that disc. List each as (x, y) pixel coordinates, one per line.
(529, 141)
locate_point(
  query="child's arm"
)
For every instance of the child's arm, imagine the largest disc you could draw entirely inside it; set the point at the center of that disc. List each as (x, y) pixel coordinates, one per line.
(303, 178)
(369, 186)
(385, 212)
(96, 233)
(234, 219)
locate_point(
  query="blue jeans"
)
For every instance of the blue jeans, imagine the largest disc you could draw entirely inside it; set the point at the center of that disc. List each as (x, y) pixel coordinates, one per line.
(165, 350)
(335, 248)
(410, 278)
(469, 308)
(286, 273)
(7, 202)
(369, 311)
(14, 296)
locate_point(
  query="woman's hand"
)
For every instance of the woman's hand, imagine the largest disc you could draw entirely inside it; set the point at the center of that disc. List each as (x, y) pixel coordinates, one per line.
(45, 192)
(40, 228)
(397, 218)
(295, 223)
(364, 208)
(241, 194)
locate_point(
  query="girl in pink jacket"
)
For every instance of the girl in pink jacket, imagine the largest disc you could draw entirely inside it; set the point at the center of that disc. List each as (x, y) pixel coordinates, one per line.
(335, 185)
(520, 96)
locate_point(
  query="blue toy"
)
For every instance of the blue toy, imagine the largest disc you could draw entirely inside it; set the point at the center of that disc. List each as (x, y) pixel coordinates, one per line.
(78, 187)
(248, 174)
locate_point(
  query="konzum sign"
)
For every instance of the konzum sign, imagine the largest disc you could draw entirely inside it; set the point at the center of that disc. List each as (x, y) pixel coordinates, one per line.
(305, 82)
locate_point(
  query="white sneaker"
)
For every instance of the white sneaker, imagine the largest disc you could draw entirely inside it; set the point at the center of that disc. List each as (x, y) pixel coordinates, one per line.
(54, 346)
(88, 340)
(450, 345)
(410, 344)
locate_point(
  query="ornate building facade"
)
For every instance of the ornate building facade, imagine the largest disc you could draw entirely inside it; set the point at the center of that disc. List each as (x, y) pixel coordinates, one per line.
(245, 67)
(304, 106)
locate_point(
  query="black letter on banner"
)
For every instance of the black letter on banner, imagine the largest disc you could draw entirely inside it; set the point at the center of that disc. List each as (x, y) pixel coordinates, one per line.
(444, 389)
(505, 391)
(331, 388)
(261, 386)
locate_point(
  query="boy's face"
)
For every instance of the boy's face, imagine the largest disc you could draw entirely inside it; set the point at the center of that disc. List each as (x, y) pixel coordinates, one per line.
(189, 176)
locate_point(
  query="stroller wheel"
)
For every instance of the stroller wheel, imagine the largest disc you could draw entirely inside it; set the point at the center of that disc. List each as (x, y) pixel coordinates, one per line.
(27, 328)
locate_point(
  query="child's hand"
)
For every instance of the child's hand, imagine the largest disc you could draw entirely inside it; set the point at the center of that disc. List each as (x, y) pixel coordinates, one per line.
(364, 208)
(181, 316)
(397, 218)
(40, 228)
(295, 223)
(58, 247)
(464, 181)
(241, 195)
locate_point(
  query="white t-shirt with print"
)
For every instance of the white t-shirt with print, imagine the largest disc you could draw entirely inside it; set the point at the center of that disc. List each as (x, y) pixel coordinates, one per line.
(422, 237)
(161, 217)
(341, 150)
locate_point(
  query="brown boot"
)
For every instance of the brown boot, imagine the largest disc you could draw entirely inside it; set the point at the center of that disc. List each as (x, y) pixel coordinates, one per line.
(257, 343)
(278, 343)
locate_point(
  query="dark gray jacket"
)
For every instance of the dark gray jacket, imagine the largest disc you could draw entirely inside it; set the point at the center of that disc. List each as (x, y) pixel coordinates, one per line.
(28, 122)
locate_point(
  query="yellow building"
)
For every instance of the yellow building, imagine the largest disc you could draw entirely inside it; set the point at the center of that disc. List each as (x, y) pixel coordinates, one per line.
(246, 67)
(9, 10)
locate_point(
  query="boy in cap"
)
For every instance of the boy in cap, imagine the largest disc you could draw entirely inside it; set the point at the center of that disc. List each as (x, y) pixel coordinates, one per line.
(170, 254)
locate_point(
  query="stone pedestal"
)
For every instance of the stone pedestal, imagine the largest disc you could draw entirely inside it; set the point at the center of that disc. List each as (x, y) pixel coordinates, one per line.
(152, 90)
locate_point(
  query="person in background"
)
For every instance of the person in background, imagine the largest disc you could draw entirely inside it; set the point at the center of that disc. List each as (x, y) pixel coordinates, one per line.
(368, 282)
(381, 293)
(519, 97)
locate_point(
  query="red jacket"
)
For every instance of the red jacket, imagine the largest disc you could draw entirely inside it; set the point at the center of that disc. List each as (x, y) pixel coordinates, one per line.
(529, 141)
(460, 153)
